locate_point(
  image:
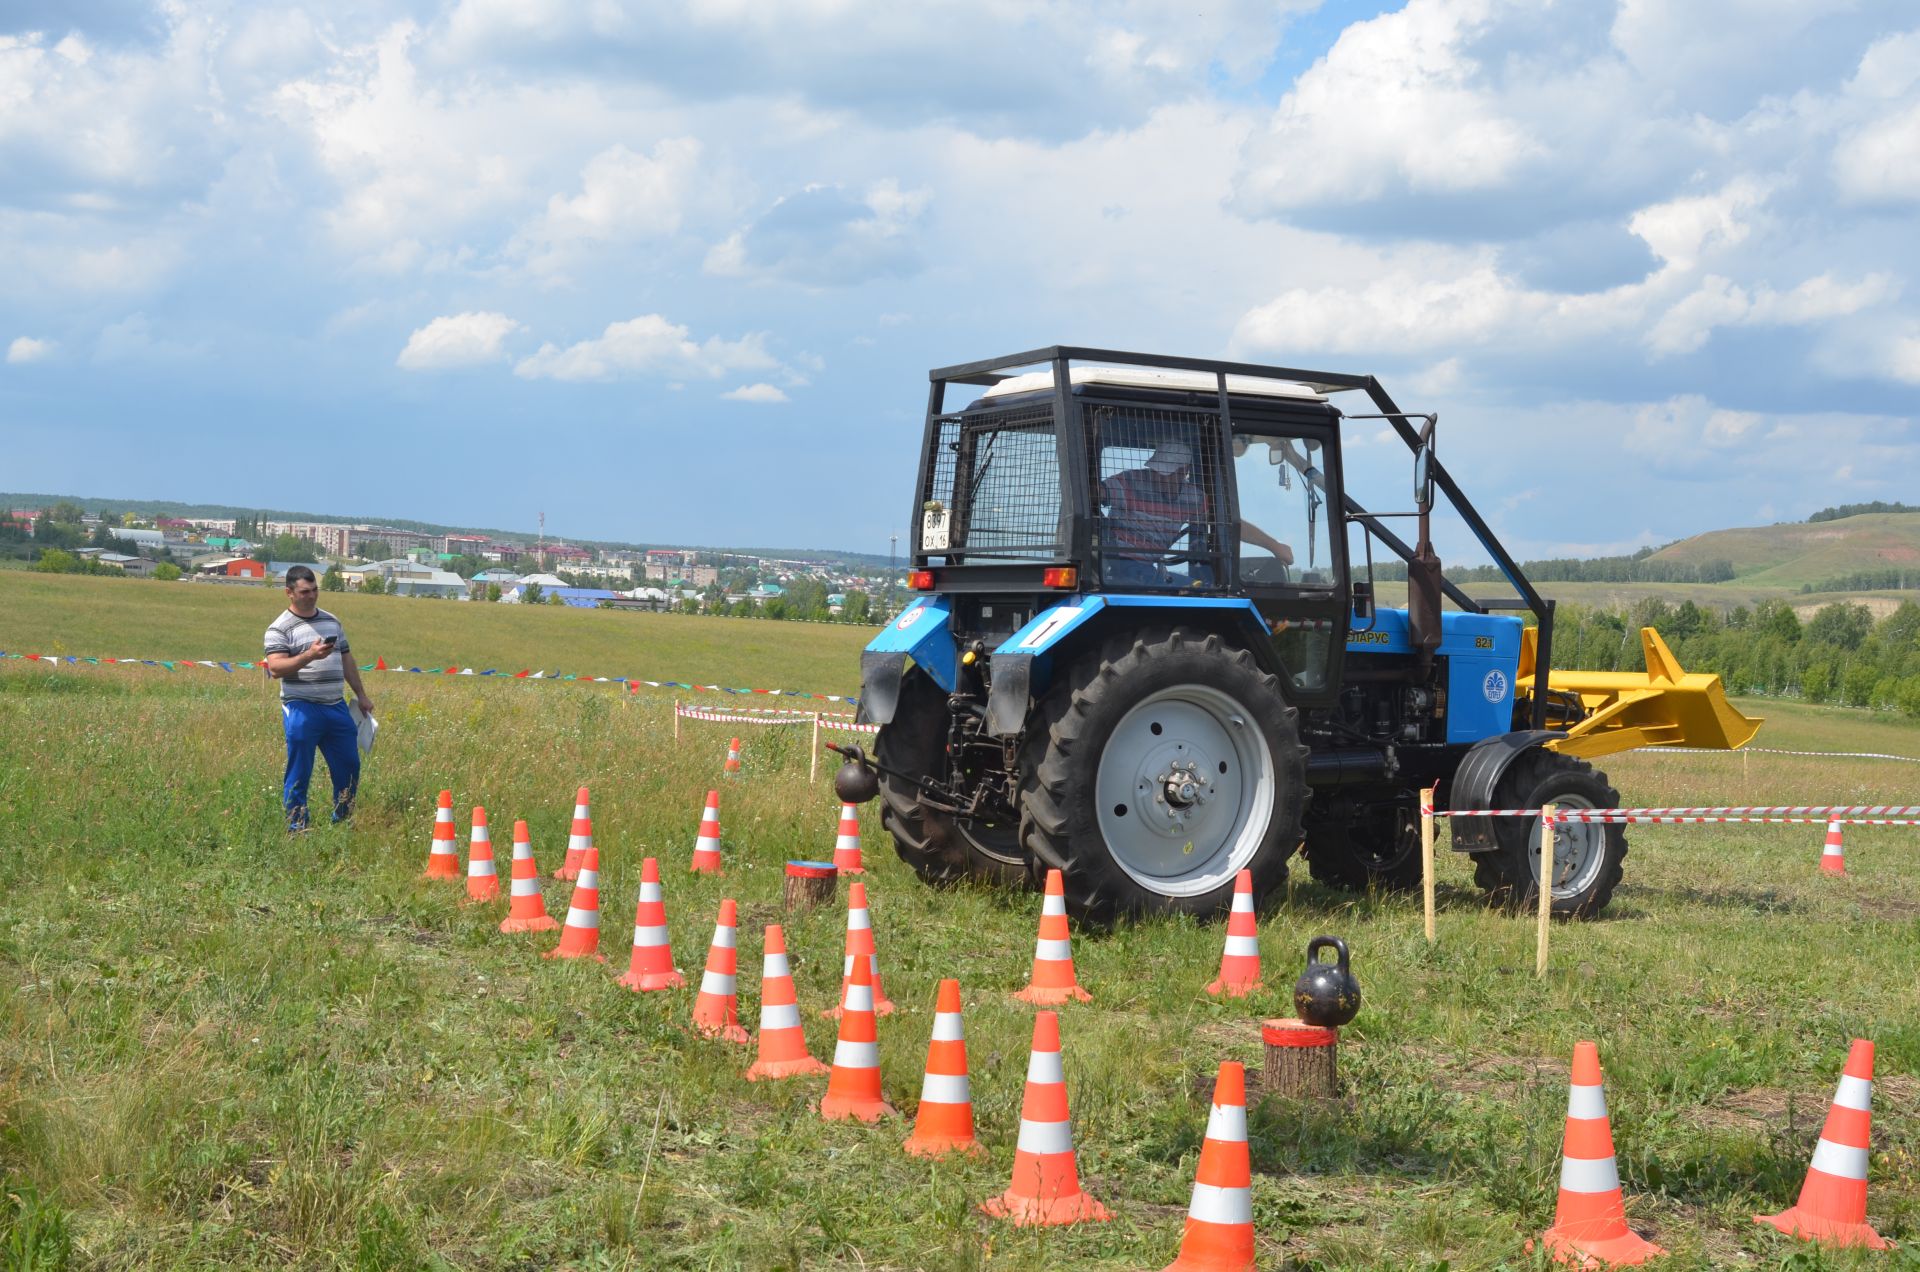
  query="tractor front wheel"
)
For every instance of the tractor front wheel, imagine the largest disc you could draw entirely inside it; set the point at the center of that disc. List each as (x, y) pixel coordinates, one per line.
(1587, 856)
(1161, 766)
(941, 848)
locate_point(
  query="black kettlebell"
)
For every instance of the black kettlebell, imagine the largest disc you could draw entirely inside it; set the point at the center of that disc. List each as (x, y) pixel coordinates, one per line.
(1326, 993)
(856, 782)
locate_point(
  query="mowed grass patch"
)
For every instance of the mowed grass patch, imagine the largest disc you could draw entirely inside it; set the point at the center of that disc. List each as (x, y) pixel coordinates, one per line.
(224, 1047)
(141, 618)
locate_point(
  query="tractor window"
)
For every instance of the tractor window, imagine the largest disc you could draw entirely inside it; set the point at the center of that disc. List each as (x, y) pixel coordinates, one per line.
(1155, 491)
(1283, 511)
(993, 493)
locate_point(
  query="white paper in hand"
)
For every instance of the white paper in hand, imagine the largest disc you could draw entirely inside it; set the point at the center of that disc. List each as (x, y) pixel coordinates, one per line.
(368, 726)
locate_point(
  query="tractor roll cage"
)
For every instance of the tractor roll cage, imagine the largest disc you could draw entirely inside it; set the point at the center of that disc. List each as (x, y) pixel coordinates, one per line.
(1060, 359)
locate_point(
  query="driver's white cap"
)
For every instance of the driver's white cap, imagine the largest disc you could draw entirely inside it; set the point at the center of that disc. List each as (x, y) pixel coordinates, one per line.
(1171, 457)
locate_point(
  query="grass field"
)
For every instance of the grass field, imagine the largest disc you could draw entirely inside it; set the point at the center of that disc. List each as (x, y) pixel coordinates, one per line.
(224, 1048)
(77, 614)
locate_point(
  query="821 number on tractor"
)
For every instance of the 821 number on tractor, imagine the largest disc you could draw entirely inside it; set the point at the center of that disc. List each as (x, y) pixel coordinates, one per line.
(1140, 654)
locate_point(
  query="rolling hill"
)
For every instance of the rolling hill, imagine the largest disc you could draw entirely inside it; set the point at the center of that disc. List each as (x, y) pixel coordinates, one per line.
(1800, 554)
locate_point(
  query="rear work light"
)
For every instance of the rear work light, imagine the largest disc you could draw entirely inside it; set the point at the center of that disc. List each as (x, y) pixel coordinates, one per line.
(920, 580)
(1064, 576)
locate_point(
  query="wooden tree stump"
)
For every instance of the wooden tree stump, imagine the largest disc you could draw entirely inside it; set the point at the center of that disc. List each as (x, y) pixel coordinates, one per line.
(809, 883)
(1302, 1060)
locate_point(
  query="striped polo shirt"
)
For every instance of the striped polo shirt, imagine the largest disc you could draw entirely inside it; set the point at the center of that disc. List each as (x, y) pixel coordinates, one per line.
(1147, 515)
(323, 679)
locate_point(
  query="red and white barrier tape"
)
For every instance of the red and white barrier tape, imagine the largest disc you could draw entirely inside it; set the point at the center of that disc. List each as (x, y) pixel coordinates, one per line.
(1789, 815)
(842, 723)
(1770, 750)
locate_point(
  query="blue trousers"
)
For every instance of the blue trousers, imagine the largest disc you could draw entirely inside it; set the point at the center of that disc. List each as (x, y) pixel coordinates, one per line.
(328, 727)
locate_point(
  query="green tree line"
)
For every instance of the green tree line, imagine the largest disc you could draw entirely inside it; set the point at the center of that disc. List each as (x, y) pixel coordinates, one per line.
(1839, 655)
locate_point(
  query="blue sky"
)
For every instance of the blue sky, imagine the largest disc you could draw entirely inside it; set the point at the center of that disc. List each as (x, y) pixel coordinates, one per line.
(676, 272)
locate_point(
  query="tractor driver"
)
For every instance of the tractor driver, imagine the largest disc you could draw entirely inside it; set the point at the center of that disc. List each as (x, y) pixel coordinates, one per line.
(1150, 509)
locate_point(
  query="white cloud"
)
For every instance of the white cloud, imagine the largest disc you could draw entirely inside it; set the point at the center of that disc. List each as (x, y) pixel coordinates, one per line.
(25, 349)
(623, 197)
(822, 236)
(755, 393)
(457, 340)
(647, 345)
(1395, 105)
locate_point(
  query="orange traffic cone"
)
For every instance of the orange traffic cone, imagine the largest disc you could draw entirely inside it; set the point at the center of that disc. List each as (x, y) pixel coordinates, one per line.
(1240, 964)
(1590, 1220)
(783, 1043)
(706, 845)
(652, 964)
(1833, 1201)
(580, 934)
(846, 847)
(580, 839)
(1053, 981)
(1046, 1176)
(853, 1084)
(860, 950)
(483, 882)
(526, 910)
(716, 1012)
(945, 1121)
(733, 756)
(1219, 1235)
(443, 861)
(1833, 857)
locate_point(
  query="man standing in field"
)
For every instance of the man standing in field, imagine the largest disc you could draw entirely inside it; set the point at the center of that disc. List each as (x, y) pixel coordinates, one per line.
(307, 653)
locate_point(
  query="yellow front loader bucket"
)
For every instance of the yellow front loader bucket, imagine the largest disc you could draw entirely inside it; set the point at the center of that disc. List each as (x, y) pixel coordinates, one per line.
(1625, 710)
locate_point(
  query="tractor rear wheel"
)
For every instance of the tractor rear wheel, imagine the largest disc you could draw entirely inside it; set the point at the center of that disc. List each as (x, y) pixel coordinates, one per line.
(1378, 846)
(941, 848)
(1587, 856)
(1160, 767)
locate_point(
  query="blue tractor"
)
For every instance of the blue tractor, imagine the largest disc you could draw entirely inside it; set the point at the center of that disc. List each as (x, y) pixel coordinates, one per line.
(1140, 654)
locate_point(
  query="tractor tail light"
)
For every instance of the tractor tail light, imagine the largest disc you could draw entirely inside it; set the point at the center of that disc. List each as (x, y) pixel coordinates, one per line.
(920, 580)
(1062, 576)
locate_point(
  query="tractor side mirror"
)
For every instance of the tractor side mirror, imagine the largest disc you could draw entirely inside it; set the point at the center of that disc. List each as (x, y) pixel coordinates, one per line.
(1423, 475)
(1363, 600)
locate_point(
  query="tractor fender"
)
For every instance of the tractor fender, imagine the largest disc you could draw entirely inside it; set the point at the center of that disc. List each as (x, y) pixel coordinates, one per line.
(1477, 777)
(922, 632)
(1023, 663)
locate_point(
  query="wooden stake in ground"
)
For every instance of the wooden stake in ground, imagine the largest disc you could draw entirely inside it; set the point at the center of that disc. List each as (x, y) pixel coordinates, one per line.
(1426, 855)
(676, 719)
(1546, 888)
(1302, 1060)
(813, 764)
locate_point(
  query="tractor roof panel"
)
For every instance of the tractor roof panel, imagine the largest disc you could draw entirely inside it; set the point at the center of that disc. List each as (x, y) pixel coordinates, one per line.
(1149, 378)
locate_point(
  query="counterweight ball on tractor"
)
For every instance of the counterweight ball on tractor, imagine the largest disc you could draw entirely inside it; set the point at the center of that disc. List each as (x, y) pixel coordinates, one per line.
(856, 782)
(1326, 993)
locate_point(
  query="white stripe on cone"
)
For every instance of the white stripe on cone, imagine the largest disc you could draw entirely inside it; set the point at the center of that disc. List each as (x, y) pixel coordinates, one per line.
(779, 1016)
(716, 983)
(1213, 1204)
(856, 1055)
(1052, 951)
(1045, 1137)
(1241, 946)
(1588, 1175)
(647, 936)
(945, 1088)
(947, 1028)
(1842, 1160)
(583, 918)
(1854, 1093)
(1586, 1102)
(1044, 1068)
(524, 887)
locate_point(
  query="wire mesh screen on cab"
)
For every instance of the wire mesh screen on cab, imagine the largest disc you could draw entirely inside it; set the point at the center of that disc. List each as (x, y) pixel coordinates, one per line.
(1157, 496)
(993, 492)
